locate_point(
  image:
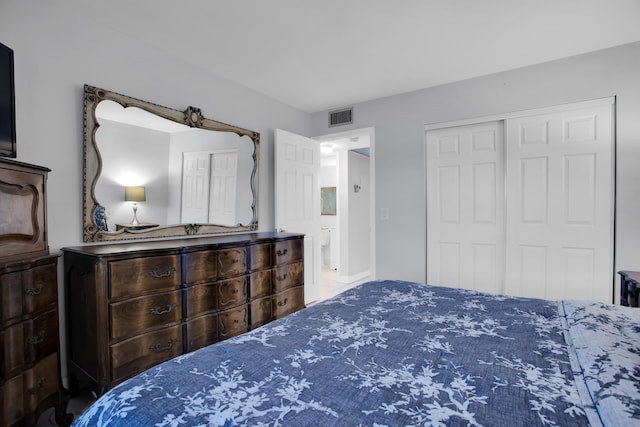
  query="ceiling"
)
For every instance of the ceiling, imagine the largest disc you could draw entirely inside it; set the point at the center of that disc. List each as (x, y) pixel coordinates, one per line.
(319, 55)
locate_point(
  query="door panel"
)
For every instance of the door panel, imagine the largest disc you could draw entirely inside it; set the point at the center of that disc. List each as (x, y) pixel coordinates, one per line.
(195, 187)
(465, 207)
(559, 176)
(297, 190)
(224, 175)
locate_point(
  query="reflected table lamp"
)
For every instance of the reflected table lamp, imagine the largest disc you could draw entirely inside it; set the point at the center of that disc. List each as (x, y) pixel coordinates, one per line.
(134, 194)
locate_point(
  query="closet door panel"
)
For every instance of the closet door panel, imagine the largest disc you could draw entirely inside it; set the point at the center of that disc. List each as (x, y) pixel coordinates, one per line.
(465, 194)
(559, 180)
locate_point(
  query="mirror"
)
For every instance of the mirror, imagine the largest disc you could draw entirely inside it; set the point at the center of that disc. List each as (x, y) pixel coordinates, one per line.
(153, 172)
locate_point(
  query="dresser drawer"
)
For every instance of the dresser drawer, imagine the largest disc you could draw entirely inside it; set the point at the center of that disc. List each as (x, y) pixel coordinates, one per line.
(41, 381)
(232, 262)
(286, 251)
(233, 322)
(287, 276)
(260, 284)
(11, 292)
(40, 336)
(12, 350)
(201, 267)
(201, 331)
(261, 311)
(201, 299)
(288, 302)
(260, 255)
(13, 408)
(40, 288)
(232, 292)
(132, 277)
(136, 315)
(137, 354)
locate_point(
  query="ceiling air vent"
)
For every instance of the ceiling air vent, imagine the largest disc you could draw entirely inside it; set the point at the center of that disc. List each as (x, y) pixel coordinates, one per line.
(341, 117)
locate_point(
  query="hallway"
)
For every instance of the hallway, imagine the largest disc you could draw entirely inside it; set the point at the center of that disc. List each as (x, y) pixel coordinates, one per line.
(329, 286)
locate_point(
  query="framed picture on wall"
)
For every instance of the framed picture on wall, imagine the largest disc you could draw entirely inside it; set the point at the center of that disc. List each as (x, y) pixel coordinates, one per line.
(328, 200)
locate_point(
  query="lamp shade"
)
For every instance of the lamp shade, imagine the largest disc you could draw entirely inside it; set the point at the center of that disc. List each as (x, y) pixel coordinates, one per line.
(134, 194)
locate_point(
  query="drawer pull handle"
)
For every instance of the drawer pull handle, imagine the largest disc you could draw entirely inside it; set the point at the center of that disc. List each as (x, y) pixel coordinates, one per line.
(283, 302)
(36, 339)
(281, 252)
(157, 275)
(39, 386)
(33, 291)
(159, 310)
(235, 291)
(157, 348)
(281, 278)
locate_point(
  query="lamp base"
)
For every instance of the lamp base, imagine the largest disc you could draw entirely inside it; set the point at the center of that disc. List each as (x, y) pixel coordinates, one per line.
(135, 221)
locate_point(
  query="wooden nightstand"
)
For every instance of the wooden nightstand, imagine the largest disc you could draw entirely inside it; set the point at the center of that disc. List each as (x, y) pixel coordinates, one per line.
(141, 226)
(629, 287)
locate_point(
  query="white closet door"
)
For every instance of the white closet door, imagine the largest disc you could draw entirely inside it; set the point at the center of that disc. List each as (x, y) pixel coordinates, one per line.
(465, 207)
(224, 175)
(195, 187)
(559, 231)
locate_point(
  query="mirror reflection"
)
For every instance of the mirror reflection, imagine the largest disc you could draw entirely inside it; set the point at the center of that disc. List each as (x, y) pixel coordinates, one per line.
(157, 177)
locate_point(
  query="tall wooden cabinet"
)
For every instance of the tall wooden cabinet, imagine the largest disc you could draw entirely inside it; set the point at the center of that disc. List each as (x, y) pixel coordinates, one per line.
(134, 305)
(29, 341)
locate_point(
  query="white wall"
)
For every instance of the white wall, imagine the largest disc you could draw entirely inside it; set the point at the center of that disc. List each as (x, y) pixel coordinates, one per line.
(328, 178)
(359, 217)
(57, 50)
(399, 149)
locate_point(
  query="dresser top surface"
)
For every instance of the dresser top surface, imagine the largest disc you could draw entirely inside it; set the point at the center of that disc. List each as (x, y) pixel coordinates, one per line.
(179, 244)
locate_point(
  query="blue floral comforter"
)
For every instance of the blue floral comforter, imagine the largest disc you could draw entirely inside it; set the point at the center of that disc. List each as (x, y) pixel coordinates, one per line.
(391, 353)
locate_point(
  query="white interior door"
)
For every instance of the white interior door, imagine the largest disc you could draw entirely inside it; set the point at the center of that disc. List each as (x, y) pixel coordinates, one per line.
(224, 176)
(195, 187)
(297, 207)
(559, 235)
(465, 207)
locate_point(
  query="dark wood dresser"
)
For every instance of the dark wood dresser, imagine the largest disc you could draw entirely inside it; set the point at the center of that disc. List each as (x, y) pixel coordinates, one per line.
(30, 380)
(131, 306)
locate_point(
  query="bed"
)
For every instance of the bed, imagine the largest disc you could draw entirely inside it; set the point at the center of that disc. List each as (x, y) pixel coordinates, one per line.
(390, 353)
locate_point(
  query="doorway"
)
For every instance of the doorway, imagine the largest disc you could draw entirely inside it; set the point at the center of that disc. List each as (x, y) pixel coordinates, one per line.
(347, 220)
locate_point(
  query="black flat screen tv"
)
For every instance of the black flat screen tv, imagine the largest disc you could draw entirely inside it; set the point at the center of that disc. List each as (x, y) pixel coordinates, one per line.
(7, 104)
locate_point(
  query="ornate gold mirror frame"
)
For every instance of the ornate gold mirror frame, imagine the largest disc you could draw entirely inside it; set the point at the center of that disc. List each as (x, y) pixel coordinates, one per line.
(93, 166)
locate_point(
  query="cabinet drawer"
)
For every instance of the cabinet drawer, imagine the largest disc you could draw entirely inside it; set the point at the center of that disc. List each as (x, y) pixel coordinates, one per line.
(201, 299)
(261, 311)
(287, 276)
(13, 409)
(132, 277)
(11, 297)
(40, 336)
(232, 262)
(39, 289)
(201, 267)
(142, 352)
(260, 284)
(136, 315)
(201, 331)
(288, 302)
(41, 381)
(287, 251)
(233, 322)
(12, 350)
(232, 292)
(260, 256)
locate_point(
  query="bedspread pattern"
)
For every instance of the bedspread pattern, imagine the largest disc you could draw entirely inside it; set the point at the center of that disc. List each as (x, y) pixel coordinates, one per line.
(385, 353)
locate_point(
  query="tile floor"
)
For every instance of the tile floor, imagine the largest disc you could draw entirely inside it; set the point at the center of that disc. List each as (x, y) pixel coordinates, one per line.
(329, 288)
